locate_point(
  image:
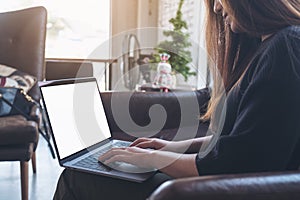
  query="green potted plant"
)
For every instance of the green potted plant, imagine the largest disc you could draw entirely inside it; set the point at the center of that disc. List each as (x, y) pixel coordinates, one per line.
(177, 47)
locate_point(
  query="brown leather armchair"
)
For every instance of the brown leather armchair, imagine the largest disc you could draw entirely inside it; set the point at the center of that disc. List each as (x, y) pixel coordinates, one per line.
(22, 45)
(255, 186)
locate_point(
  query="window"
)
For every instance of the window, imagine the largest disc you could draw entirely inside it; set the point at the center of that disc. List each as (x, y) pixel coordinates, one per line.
(75, 28)
(193, 14)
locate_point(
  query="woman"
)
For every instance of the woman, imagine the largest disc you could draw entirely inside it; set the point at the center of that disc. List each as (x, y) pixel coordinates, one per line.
(255, 46)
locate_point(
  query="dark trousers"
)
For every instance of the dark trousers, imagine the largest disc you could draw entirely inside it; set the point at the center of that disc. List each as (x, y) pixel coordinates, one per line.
(74, 185)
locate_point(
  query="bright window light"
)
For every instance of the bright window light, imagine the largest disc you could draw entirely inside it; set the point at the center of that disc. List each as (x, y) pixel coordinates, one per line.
(75, 28)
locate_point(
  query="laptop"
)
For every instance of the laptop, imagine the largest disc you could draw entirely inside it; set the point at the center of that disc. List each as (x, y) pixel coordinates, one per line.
(80, 129)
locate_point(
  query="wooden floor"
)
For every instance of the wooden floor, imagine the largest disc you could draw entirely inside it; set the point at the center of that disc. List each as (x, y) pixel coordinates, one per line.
(41, 185)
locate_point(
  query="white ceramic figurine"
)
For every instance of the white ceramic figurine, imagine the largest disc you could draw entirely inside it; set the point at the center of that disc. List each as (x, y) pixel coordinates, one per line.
(163, 78)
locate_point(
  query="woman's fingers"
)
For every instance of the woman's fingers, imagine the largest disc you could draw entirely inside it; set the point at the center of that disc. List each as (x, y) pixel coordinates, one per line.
(152, 143)
(145, 144)
(123, 155)
(111, 153)
(116, 158)
(138, 141)
(131, 155)
(137, 150)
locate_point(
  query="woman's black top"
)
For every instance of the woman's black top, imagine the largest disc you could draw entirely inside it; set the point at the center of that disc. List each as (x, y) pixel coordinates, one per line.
(263, 128)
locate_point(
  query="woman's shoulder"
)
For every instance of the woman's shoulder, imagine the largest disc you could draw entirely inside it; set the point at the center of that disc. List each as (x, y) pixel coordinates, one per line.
(279, 57)
(286, 37)
(284, 47)
(293, 31)
(286, 40)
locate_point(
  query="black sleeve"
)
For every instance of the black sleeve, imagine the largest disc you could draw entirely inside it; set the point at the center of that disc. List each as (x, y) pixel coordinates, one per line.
(267, 126)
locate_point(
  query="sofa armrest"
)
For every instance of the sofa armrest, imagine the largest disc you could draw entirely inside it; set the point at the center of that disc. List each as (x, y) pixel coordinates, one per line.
(254, 186)
(141, 102)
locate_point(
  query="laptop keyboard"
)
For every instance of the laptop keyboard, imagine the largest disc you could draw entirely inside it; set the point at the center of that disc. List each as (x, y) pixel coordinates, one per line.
(91, 161)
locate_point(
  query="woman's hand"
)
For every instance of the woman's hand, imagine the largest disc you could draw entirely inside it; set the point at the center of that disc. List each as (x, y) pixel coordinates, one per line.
(173, 164)
(132, 155)
(185, 146)
(152, 143)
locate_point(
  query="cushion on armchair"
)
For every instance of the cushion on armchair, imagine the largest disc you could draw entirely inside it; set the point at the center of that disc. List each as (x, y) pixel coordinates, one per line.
(10, 126)
(11, 77)
(13, 84)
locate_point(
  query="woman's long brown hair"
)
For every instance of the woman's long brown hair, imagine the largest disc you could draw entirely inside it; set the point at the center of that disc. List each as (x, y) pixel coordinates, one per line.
(230, 53)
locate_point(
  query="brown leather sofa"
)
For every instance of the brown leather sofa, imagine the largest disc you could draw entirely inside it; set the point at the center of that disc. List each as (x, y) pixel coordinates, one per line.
(254, 186)
(139, 107)
(61, 69)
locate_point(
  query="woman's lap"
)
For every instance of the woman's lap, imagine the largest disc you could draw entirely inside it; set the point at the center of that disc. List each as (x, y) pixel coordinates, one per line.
(74, 185)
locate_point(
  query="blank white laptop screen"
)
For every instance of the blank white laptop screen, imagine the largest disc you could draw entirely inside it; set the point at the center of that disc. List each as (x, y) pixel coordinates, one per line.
(76, 115)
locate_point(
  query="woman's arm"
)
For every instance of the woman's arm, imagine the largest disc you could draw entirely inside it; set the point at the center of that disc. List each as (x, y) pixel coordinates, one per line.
(185, 146)
(173, 164)
(153, 153)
